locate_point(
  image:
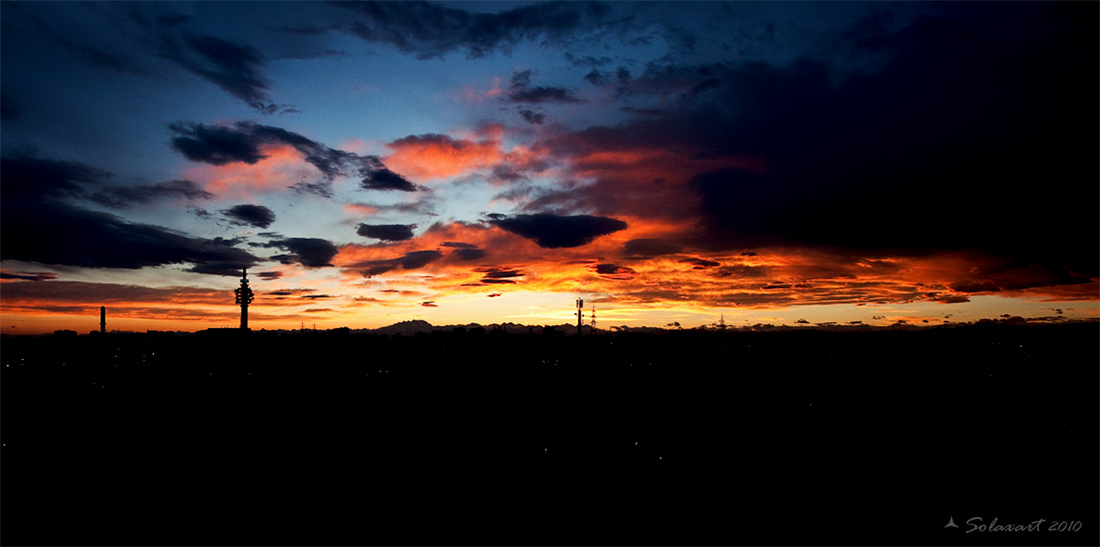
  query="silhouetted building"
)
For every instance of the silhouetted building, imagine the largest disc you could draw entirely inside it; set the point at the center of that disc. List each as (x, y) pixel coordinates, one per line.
(244, 298)
(103, 319)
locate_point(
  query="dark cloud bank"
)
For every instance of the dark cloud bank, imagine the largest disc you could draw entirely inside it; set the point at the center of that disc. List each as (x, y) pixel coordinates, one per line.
(557, 231)
(39, 225)
(386, 232)
(969, 136)
(308, 251)
(410, 261)
(250, 215)
(432, 30)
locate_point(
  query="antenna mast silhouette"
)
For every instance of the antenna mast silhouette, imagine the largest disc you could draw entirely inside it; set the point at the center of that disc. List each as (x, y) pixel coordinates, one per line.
(593, 319)
(244, 298)
(103, 320)
(580, 315)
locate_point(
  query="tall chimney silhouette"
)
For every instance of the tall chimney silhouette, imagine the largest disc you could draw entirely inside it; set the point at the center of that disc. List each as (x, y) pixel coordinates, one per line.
(103, 320)
(244, 298)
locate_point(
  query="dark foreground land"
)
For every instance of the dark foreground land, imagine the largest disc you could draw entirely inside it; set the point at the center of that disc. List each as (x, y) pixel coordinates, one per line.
(806, 437)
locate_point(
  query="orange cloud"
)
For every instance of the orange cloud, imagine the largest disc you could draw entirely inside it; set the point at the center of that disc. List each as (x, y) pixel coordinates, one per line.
(282, 168)
(360, 209)
(432, 157)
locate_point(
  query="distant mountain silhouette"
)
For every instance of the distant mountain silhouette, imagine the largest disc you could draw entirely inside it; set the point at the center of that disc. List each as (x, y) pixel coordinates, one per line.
(405, 328)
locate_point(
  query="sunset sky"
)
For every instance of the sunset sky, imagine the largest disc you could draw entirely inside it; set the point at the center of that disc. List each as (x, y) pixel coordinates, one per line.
(492, 162)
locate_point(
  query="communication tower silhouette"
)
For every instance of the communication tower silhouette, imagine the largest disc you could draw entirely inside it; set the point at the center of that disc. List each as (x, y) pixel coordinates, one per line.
(103, 320)
(580, 315)
(244, 298)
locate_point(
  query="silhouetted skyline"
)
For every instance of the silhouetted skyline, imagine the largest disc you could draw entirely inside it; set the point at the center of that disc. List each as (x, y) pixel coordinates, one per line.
(858, 437)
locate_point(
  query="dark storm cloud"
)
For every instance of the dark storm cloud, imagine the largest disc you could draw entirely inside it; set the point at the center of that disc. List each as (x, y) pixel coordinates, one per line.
(386, 232)
(27, 177)
(307, 251)
(613, 271)
(37, 226)
(235, 67)
(666, 78)
(121, 197)
(250, 215)
(244, 142)
(998, 120)
(1014, 278)
(384, 179)
(411, 261)
(498, 275)
(521, 91)
(432, 30)
(700, 263)
(217, 144)
(532, 117)
(465, 251)
(943, 298)
(469, 255)
(56, 233)
(557, 231)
